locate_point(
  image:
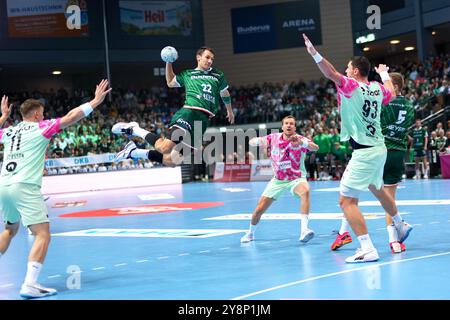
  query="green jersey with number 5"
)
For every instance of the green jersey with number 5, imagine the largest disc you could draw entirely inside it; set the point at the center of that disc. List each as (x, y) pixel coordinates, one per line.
(396, 118)
(202, 89)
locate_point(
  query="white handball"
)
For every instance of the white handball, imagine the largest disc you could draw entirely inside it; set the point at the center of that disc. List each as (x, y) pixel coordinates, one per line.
(169, 54)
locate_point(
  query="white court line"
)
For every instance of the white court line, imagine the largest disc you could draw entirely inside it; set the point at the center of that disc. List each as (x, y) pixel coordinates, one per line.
(265, 242)
(285, 240)
(226, 248)
(98, 268)
(434, 222)
(183, 254)
(120, 264)
(140, 261)
(204, 251)
(324, 235)
(370, 266)
(6, 285)
(54, 276)
(165, 257)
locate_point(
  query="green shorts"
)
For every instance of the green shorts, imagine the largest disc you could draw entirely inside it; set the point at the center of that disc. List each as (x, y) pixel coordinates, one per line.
(23, 200)
(394, 167)
(419, 153)
(321, 157)
(365, 168)
(276, 187)
(192, 124)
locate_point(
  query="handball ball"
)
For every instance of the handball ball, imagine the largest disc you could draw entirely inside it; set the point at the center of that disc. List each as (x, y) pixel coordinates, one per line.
(169, 54)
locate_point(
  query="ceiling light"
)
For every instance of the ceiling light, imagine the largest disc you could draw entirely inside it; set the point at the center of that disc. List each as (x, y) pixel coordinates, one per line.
(366, 49)
(394, 41)
(56, 72)
(409, 48)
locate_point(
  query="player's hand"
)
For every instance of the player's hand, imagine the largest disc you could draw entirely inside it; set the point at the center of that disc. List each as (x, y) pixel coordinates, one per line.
(230, 116)
(295, 140)
(309, 46)
(100, 93)
(5, 107)
(381, 68)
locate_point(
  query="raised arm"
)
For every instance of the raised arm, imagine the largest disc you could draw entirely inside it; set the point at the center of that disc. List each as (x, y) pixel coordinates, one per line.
(382, 70)
(84, 110)
(171, 78)
(6, 110)
(325, 67)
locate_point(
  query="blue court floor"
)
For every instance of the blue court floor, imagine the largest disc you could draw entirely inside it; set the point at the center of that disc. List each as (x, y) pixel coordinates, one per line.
(182, 242)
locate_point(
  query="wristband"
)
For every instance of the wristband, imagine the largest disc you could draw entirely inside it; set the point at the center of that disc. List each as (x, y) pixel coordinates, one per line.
(86, 108)
(317, 57)
(226, 99)
(384, 76)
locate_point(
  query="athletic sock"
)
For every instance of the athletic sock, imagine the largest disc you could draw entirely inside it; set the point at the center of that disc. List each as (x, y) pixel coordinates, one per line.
(304, 218)
(366, 243)
(140, 132)
(392, 233)
(33, 270)
(139, 153)
(344, 226)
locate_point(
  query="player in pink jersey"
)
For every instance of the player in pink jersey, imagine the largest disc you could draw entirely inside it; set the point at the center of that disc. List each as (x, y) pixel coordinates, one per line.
(360, 103)
(287, 151)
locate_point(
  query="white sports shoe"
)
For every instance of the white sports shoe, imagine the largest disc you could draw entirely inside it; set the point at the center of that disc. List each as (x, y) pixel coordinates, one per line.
(425, 177)
(124, 128)
(403, 231)
(306, 235)
(126, 152)
(30, 291)
(363, 256)
(249, 236)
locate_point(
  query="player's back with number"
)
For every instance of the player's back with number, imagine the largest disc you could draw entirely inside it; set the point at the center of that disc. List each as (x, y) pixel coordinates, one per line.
(360, 107)
(396, 118)
(24, 151)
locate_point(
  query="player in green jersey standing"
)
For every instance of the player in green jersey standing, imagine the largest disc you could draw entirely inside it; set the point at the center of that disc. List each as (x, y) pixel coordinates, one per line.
(396, 118)
(420, 145)
(21, 178)
(204, 85)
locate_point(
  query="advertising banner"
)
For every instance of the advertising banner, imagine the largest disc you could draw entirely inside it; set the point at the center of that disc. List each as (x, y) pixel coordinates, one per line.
(45, 18)
(156, 18)
(275, 26)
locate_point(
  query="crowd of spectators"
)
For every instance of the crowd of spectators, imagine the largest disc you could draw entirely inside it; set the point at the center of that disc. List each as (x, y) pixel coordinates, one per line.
(313, 103)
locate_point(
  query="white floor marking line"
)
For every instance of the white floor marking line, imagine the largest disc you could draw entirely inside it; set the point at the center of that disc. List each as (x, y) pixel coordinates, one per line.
(204, 251)
(183, 254)
(285, 240)
(98, 268)
(324, 235)
(265, 242)
(434, 222)
(120, 264)
(54, 276)
(368, 266)
(6, 285)
(140, 261)
(161, 258)
(226, 248)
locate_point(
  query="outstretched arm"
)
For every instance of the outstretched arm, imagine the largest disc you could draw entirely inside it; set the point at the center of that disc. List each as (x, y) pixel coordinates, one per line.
(6, 110)
(325, 67)
(226, 98)
(84, 110)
